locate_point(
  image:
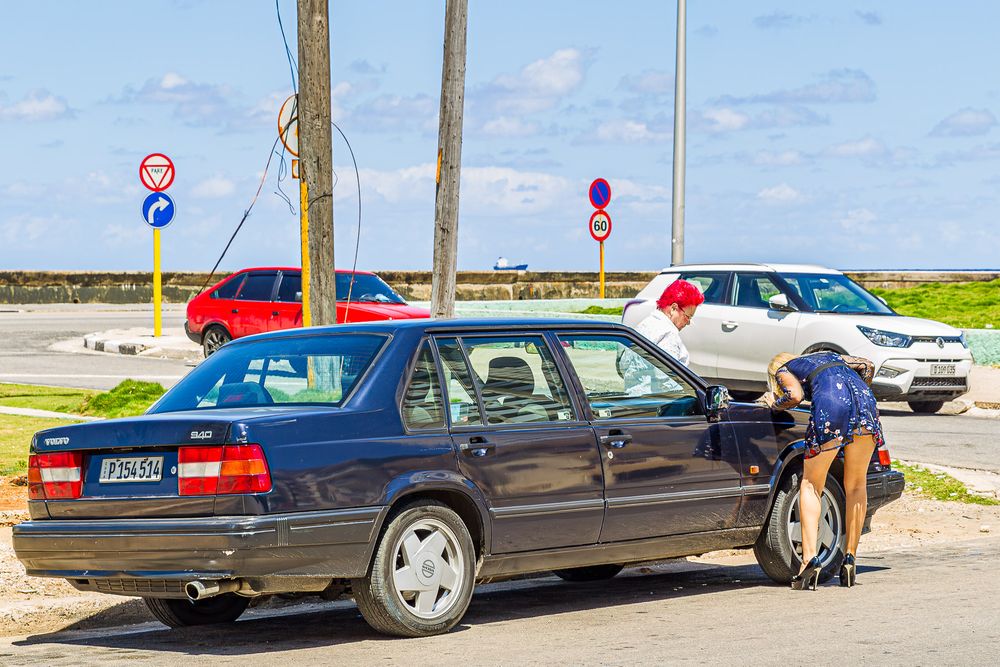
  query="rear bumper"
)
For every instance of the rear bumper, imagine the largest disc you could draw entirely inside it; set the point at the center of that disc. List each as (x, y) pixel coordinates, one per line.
(883, 488)
(195, 337)
(262, 549)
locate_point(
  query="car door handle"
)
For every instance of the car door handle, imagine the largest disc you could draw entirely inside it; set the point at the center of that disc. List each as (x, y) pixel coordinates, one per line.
(477, 447)
(235, 310)
(616, 440)
(274, 313)
(729, 325)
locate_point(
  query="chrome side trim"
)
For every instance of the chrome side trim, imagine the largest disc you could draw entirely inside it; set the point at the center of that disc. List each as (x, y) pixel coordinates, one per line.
(754, 489)
(547, 508)
(674, 497)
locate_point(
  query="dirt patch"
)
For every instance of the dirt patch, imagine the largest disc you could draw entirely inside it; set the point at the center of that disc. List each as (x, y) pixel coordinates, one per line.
(13, 494)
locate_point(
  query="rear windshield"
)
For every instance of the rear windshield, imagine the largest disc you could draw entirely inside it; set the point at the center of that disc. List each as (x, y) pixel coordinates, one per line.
(289, 371)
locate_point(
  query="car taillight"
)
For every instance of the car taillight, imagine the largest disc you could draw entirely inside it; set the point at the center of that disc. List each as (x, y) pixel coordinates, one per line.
(55, 476)
(223, 469)
(884, 459)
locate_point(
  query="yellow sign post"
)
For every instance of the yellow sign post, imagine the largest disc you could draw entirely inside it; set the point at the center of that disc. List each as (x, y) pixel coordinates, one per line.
(156, 172)
(600, 229)
(304, 231)
(602, 269)
(157, 286)
(288, 132)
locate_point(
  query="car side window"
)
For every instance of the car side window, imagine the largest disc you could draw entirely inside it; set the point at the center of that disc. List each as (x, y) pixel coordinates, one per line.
(228, 289)
(518, 380)
(754, 289)
(624, 381)
(422, 404)
(713, 285)
(463, 408)
(290, 288)
(257, 287)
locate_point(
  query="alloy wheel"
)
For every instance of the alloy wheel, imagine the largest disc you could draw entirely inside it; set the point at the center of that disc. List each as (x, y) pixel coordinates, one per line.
(429, 569)
(831, 528)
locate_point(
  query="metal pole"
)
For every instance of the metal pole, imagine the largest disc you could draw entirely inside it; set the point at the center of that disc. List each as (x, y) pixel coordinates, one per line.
(602, 270)
(316, 161)
(157, 285)
(449, 159)
(680, 125)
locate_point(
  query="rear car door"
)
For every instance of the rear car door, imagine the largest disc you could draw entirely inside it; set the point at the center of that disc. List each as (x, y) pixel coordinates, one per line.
(251, 312)
(286, 309)
(703, 336)
(667, 469)
(755, 332)
(522, 442)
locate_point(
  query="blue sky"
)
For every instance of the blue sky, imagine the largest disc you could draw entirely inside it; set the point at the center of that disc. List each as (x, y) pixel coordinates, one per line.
(856, 135)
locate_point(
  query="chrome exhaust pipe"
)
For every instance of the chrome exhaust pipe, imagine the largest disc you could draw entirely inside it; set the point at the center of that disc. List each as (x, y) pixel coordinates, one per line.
(199, 590)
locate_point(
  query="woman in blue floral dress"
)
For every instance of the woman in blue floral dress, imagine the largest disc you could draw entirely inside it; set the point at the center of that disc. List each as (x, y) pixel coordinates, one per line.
(843, 415)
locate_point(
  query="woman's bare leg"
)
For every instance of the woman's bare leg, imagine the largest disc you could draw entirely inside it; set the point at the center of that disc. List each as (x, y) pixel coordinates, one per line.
(811, 500)
(857, 456)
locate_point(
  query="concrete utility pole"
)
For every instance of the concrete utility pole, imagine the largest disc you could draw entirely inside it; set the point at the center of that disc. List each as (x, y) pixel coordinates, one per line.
(449, 170)
(680, 131)
(316, 159)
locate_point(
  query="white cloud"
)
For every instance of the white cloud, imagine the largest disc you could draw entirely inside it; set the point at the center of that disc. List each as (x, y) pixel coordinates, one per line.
(655, 82)
(38, 105)
(857, 219)
(780, 194)
(538, 86)
(725, 120)
(778, 159)
(629, 131)
(215, 187)
(840, 86)
(866, 147)
(505, 126)
(965, 123)
(25, 229)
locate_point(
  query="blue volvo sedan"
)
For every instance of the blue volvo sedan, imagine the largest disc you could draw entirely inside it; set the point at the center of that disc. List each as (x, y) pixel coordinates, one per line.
(402, 462)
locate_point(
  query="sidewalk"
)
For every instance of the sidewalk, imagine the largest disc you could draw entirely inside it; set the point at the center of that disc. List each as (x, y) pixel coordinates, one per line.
(139, 341)
(32, 412)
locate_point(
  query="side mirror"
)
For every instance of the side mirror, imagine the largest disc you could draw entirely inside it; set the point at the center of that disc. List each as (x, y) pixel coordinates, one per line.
(298, 297)
(780, 302)
(716, 402)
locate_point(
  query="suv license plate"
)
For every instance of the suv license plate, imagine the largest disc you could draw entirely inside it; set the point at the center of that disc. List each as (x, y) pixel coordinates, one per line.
(938, 370)
(132, 469)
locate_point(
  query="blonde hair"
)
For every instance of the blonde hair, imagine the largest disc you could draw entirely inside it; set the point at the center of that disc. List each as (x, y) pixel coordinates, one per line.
(776, 364)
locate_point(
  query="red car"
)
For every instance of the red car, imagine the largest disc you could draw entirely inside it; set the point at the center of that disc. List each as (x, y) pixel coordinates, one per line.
(270, 298)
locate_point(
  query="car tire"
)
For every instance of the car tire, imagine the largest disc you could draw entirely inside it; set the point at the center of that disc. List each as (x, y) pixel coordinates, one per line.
(925, 407)
(214, 337)
(422, 575)
(592, 573)
(779, 552)
(224, 608)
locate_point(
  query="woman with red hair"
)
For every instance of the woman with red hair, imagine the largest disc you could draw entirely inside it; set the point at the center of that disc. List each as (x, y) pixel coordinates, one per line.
(674, 310)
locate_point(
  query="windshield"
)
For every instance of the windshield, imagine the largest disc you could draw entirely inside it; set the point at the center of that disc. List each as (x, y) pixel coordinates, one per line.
(285, 371)
(366, 288)
(833, 293)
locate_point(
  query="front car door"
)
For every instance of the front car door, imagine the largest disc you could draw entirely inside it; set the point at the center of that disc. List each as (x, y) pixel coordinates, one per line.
(286, 309)
(755, 332)
(667, 470)
(522, 442)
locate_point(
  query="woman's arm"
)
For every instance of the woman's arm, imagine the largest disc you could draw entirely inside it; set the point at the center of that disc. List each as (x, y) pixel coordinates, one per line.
(791, 391)
(863, 367)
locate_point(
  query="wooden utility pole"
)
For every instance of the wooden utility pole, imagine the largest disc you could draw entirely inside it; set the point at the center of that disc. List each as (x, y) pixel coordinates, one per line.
(449, 169)
(316, 159)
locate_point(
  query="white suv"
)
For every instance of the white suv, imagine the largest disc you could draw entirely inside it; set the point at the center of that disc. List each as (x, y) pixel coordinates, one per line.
(753, 311)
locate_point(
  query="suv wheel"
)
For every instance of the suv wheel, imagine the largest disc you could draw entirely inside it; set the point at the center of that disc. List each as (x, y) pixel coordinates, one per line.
(224, 608)
(592, 573)
(214, 338)
(779, 547)
(422, 575)
(925, 407)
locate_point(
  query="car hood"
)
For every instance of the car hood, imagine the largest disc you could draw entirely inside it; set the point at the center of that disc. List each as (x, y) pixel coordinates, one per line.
(390, 311)
(911, 326)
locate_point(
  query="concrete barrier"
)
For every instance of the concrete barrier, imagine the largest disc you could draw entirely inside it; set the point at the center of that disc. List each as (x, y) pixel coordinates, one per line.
(18, 287)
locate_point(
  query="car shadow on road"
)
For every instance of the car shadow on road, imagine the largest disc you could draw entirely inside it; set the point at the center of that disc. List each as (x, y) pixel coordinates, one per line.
(332, 624)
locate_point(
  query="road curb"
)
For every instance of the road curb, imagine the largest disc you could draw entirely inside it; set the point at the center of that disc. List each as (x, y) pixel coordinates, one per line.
(98, 344)
(126, 343)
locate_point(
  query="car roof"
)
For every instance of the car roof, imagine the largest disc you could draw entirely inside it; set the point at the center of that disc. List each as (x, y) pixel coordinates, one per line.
(484, 324)
(736, 266)
(296, 268)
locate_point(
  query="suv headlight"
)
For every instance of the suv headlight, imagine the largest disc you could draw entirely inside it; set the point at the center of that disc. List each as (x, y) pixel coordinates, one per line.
(961, 339)
(885, 338)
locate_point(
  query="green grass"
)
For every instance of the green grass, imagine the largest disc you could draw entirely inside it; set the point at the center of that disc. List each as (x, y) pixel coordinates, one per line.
(939, 486)
(601, 310)
(129, 398)
(56, 399)
(962, 305)
(15, 439)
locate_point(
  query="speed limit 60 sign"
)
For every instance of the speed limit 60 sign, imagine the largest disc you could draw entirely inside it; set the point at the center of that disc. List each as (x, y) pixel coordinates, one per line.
(600, 225)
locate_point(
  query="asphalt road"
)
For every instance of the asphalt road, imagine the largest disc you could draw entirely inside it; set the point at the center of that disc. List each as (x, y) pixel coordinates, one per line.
(26, 335)
(934, 606)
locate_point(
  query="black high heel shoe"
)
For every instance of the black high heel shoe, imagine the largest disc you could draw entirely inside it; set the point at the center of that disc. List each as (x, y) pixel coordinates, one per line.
(848, 571)
(809, 577)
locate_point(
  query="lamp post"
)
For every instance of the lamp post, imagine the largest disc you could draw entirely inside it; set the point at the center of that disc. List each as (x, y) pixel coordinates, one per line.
(680, 126)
